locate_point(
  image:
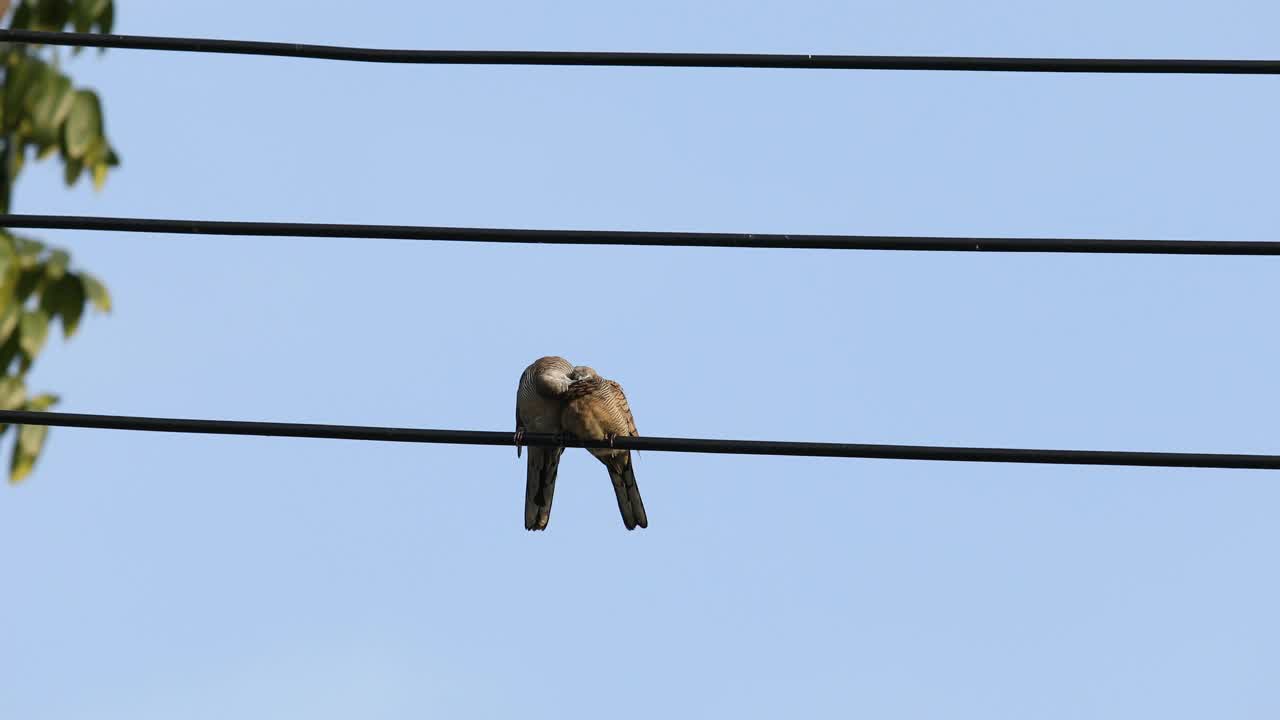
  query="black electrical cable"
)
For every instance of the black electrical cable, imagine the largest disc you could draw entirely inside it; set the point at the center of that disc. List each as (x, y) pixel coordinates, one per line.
(662, 239)
(695, 445)
(649, 59)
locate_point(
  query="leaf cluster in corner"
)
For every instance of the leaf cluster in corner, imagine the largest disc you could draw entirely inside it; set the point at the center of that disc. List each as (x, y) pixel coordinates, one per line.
(42, 113)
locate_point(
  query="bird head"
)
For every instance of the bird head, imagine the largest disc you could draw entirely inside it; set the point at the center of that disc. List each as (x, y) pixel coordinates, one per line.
(582, 372)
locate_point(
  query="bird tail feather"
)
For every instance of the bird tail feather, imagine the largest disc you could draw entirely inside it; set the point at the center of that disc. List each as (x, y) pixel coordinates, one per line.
(540, 486)
(629, 502)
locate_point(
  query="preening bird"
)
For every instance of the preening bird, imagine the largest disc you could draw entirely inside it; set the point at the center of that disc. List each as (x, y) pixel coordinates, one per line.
(596, 409)
(539, 404)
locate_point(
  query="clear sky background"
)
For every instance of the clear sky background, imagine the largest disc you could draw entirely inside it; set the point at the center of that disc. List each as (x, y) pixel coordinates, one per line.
(157, 576)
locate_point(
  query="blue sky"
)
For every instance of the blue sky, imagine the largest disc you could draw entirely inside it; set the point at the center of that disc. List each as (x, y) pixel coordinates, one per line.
(154, 576)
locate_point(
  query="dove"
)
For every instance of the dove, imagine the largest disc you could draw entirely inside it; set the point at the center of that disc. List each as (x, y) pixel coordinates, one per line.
(539, 403)
(596, 409)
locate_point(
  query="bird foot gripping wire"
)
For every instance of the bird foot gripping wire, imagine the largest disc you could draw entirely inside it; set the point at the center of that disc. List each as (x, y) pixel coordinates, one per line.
(614, 436)
(561, 439)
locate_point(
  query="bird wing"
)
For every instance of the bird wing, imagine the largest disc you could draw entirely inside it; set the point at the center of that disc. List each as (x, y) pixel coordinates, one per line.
(618, 408)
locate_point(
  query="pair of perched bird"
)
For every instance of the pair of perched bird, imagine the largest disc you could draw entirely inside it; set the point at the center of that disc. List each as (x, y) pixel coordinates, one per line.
(555, 396)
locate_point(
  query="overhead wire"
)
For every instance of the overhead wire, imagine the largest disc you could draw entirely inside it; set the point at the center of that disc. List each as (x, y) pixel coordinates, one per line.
(661, 444)
(645, 238)
(650, 59)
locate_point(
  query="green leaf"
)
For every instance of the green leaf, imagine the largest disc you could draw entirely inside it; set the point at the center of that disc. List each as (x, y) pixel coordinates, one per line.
(83, 125)
(9, 315)
(10, 268)
(30, 440)
(15, 153)
(65, 300)
(99, 176)
(83, 15)
(41, 402)
(28, 250)
(107, 18)
(8, 351)
(20, 76)
(22, 17)
(71, 171)
(29, 281)
(52, 101)
(51, 14)
(56, 266)
(96, 292)
(25, 451)
(37, 83)
(13, 393)
(30, 437)
(34, 327)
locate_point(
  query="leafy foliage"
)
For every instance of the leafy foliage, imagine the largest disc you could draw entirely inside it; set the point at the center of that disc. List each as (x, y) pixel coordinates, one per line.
(43, 113)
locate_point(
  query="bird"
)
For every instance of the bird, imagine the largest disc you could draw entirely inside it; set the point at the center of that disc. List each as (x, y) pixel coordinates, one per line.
(539, 403)
(596, 409)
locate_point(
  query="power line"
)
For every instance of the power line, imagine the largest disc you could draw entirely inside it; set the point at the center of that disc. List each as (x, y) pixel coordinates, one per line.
(650, 59)
(665, 444)
(661, 239)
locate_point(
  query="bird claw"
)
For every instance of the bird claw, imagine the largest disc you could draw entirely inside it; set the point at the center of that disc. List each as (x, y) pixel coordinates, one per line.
(611, 437)
(519, 440)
